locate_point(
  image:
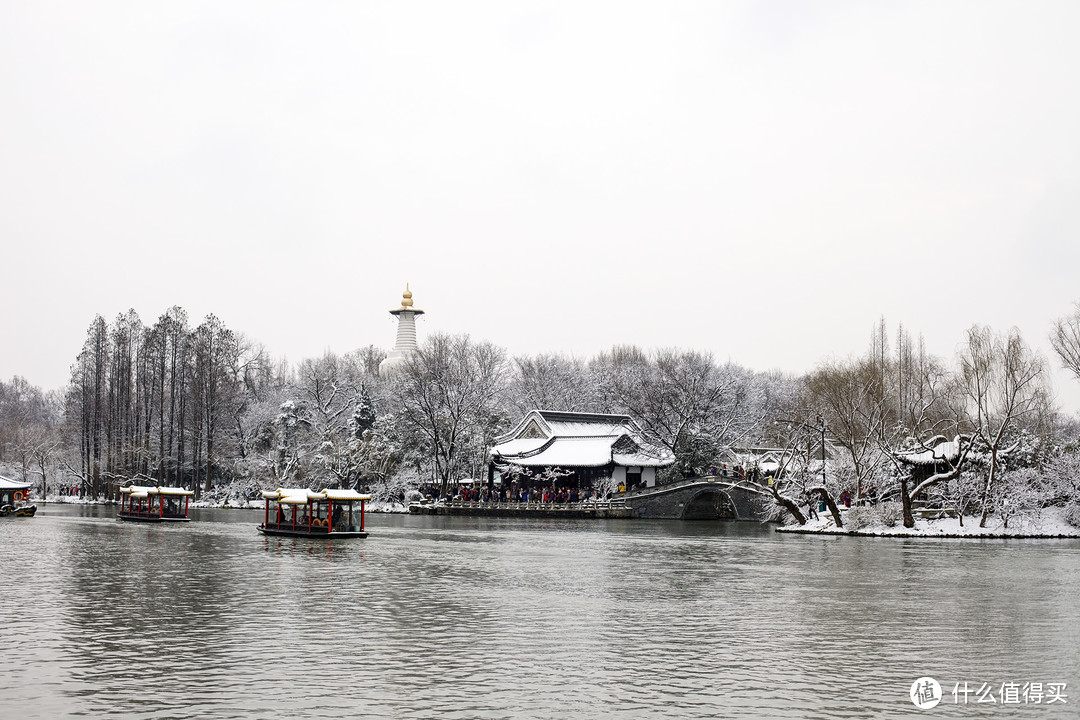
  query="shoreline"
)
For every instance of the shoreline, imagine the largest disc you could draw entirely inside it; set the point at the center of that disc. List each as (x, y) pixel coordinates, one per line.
(916, 533)
(1049, 525)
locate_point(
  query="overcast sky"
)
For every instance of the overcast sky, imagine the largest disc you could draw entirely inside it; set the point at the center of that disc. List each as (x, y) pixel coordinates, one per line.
(763, 180)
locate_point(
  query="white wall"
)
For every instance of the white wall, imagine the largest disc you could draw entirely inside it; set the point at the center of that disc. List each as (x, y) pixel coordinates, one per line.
(618, 474)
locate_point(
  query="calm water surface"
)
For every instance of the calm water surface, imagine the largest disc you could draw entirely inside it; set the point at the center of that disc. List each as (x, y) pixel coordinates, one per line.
(491, 618)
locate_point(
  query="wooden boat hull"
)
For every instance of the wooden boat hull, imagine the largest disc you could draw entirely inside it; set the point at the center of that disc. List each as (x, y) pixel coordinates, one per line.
(318, 536)
(150, 519)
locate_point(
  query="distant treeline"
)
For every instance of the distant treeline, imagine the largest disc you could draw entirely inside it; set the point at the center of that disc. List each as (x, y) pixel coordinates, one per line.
(207, 408)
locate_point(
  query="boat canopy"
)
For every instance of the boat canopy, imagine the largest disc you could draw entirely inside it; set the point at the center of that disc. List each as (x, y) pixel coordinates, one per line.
(9, 484)
(140, 491)
(301, 496)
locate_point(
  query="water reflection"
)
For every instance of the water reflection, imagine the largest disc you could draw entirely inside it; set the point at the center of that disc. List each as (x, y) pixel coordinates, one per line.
(495, 618)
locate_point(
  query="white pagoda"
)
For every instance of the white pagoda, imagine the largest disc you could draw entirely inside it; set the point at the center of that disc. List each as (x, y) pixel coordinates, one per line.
(406, 335)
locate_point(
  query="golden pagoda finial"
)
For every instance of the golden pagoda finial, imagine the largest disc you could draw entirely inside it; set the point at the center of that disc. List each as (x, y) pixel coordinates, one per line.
(407, 304)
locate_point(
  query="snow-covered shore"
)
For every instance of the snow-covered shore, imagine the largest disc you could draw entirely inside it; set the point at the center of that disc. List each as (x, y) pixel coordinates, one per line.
(1049, 524)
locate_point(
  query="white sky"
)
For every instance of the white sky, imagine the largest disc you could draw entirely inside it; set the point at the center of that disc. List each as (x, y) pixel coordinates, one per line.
(759, 179)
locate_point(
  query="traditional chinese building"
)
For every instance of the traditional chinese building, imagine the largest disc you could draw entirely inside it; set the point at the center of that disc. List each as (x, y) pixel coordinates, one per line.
(582, 448)
(406, 335)
(939, 455)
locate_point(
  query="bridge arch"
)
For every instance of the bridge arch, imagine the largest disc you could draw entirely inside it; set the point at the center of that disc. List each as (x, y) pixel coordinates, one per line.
(706, 498)
(710, 503)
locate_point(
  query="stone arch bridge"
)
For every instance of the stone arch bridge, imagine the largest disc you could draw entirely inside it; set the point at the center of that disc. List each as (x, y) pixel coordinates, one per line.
(703, 498)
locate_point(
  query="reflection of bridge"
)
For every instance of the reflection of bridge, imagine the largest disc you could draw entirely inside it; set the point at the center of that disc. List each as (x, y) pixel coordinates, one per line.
(701, 498)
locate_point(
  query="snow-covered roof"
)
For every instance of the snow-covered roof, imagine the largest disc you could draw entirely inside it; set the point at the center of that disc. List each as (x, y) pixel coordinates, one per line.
(552, 423)
(948, 450)
(546, 438)
(641, 459)
(141, 491)
(341, 495)
(570, 451)
(582, 452)
(583, 424)
(9, 484)
(518, 446)
(301, 496)
(292, 496)
(577, 439)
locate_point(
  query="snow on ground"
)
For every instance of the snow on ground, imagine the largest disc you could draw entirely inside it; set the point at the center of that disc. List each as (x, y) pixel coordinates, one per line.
(1049, 524)
(377, 506)
(66, 499)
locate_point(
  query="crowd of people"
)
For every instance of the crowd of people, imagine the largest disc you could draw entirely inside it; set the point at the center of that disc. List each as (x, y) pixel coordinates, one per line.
(515, 494)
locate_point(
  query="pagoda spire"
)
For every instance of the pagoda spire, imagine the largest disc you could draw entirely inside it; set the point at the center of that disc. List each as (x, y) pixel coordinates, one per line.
(406, 335)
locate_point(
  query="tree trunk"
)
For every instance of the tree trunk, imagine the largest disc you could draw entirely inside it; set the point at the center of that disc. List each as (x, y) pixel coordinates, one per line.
(905, 501)
(788, 504)
(832, 506)
(986, 489)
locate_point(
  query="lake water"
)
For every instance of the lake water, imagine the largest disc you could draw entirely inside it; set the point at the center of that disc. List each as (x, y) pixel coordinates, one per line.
(509, 618)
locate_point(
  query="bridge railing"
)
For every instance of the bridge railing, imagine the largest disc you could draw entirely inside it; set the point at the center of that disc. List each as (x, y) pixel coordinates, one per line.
(684, 482)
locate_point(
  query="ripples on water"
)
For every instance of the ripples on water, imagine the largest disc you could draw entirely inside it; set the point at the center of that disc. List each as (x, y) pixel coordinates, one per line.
(490, 618)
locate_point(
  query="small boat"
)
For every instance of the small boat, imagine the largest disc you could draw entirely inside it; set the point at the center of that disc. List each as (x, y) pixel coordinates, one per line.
(13, 498)
(154, 504)
(299, 512)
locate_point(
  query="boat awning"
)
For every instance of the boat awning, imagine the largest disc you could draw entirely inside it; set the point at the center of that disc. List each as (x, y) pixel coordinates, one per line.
(141, 491)
(296, 496)
(9, 484)
(302, 496)
(344, 495)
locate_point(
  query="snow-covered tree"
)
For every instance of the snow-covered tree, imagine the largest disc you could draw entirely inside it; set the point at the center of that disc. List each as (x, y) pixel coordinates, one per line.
(448, 391)
(1065, 339)
(551, 382)
(1005, 387)
(682, 400)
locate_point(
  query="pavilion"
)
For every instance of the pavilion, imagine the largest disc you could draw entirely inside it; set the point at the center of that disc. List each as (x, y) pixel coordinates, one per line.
(583, 450)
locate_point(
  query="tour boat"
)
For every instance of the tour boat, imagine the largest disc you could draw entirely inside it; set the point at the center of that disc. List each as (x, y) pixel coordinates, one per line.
(13, 498)
(154, 504)
(299, 512)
